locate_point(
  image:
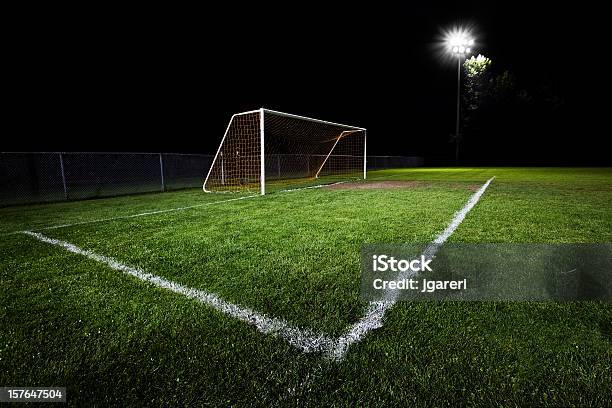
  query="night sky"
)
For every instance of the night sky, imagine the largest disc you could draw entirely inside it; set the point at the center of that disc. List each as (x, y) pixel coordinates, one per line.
(168, 80)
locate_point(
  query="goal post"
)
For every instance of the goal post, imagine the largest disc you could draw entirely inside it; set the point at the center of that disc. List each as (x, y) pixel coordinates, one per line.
(264, 150)
(262, 157)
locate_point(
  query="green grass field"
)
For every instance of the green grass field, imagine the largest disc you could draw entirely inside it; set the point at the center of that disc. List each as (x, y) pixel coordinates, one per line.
(68, 320)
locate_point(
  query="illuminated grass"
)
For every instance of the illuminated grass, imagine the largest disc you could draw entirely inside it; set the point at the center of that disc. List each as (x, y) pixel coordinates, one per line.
(70, 321)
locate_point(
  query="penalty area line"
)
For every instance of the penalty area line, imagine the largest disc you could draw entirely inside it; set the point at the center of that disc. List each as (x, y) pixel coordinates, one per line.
(304, 339)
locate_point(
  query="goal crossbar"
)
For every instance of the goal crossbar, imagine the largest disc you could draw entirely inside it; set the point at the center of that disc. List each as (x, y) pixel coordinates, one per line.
(260, 113)
(290, 115)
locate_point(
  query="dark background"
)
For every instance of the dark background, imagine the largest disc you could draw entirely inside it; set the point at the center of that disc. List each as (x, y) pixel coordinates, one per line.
(169, 79)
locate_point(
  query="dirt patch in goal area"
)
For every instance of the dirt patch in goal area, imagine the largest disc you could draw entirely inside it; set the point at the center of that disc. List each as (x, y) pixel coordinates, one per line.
(378, 185)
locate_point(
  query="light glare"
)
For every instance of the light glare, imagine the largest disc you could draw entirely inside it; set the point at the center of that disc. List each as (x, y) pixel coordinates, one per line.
(459, 41)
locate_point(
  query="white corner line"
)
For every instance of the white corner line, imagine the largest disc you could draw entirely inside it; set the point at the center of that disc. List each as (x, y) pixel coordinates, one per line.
(303, 339)
(375, 313)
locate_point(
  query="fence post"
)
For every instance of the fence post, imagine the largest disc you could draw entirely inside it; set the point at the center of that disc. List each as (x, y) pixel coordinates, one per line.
(161, 171)
(61, 157)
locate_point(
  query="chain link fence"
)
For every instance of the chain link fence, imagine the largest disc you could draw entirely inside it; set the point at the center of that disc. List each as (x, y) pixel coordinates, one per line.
(46, 177)
(393, 162)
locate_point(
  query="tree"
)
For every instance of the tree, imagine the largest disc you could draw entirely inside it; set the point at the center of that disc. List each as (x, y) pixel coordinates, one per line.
(477, 86)
(497, 105)
(477, 79)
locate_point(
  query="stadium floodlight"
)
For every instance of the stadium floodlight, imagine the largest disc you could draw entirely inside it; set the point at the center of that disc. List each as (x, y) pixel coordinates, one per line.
(263, 145)
(459, 43)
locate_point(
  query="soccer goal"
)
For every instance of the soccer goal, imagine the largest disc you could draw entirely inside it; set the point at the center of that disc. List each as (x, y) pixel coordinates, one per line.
(264, 150)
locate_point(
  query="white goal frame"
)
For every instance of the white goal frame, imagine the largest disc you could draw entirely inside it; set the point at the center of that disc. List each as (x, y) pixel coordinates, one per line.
(262, 111)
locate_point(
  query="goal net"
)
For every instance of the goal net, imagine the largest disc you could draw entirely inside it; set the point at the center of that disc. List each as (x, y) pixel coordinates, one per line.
(265, 150)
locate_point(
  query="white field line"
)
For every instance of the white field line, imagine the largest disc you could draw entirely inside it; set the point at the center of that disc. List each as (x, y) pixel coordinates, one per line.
(122, 217)
(373, 318)
(304, 339)
(309, 187)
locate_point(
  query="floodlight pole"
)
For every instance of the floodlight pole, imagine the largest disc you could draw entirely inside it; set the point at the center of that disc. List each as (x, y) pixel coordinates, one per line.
(458, 108)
